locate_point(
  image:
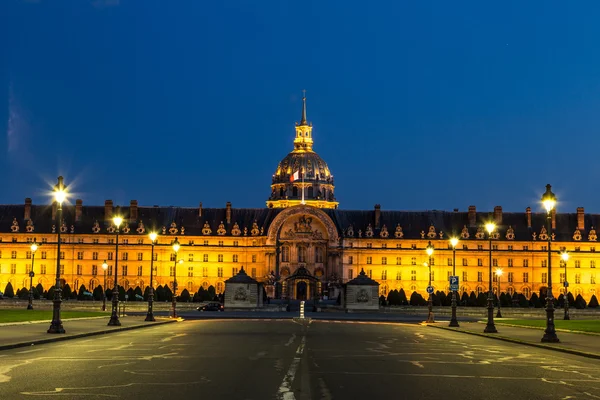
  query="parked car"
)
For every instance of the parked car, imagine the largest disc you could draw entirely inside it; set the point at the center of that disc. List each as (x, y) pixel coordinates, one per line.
(212, 306)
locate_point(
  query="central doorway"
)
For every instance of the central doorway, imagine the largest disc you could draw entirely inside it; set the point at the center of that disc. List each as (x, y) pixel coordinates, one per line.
(301, 290)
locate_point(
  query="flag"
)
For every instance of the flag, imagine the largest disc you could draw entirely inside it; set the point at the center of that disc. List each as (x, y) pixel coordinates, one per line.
(295, 176)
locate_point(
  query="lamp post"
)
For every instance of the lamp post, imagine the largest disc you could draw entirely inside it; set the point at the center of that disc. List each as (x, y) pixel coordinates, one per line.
(430, 318)
(498, 275)
(453, 320)
(549, 201)
(104, 267)
(60, 195)
(114, 316)
(490, 327)
(565, 257)
(34, 247)
(176, 247)
(150, 315)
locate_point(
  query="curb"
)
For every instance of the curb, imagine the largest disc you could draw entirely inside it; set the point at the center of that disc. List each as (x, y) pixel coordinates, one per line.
(47, 321)
(81, 335)
(517, 341)
(542, 328)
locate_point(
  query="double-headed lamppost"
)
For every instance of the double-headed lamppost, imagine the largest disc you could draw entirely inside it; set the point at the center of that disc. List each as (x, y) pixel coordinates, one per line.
(498, 275)
(565, 257)
(549, 201)
(104, 267)
(490, 327)
(114, 316)
(150, 314)
(34, 247)
(430, 318)
(60, 195)
(453, 320)
(176, 247)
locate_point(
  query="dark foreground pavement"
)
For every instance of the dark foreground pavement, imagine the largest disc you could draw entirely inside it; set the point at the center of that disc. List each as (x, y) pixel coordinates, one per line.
(240, 359)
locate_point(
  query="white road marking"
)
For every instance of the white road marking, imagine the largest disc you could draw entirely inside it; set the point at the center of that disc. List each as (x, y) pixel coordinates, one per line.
(285, 389)
(291, 340)
(29, 351)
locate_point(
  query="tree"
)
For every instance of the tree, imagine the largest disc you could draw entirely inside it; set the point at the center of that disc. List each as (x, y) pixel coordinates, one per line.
(80, 294)
(472, 299)
(535, 301)
(159, 293)
(482, 299)
(402, 300)
(40, 290)
(464, 299)
(390, 298)
(505, 300)
(108, 292)
(146, 293)
(66, 292)
(201, 293)
(24, 294)
(18, 294)
(168, 294)
(415, 299)
(571, 299)
(593, 302)
(523, 302)
(580, 302)
(138, 294)
(50, 293)
(211, 293)
(97, 293)
(121, 293)
(184, 296)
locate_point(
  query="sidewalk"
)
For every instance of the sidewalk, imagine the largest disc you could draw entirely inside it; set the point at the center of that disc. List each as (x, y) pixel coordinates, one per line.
(582, 344)
(13, 335)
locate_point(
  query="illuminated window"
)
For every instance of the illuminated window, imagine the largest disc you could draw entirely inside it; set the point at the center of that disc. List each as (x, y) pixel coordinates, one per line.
(449, 261)
(350, 259)
(301, 254)
(190, 257)
(140, 256)
(205, 257)
(577, 264)
(577, 279)
(495, 262)
(110, 255)
(479, 276)
(62, 255)
(95, 241)
(61, 269)
(13, 254)
(525, 277)
(369, 260)
(125, 256)
(510, 277)
(592, 263)
(350, 274)
(79, 269)
(43, 269)
(510, 247)
(235, 258)
(464, 277)
(190, 272)
(124, 270)
(494, 247)
(221, 243)
(398, 246)
(413, 275)
(206, 242)
(205, 272)
(94, 270)
(235, 243)
(384, 246)
(398, 275)
(525, 248)
(13, 269)
(464, 262)
(593, 279)
(220, 272)
(95, 255)
(140, 270)
(369, 245)
(253, 258)
(479, 247)
(479, 262)
(370, 273)
(413, 261)
(220, 258)
(253, 272)
(510, 262)
(526, 263)
(140, 241)
(383, 260)
(234, 271)
(384, 275)
(562, 277)
(285, 254)
(398, 260)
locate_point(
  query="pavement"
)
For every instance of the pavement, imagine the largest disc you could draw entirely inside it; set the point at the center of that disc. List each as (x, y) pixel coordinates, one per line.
(579, 343)
(282, 359)
(21, 334)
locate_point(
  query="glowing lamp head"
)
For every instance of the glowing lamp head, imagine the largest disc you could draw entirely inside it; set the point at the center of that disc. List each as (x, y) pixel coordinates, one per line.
(153, 236)
(565, 256)
(549, 199)
(454, 241)
(180, 261)
(429, 249)
(104, 265)
(176, 246)
(34, 247)
(490, 227)
(118, 221)
(425, 264)
(499, 272)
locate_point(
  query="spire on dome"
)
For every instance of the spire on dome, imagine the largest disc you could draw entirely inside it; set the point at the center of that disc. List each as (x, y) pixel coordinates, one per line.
(303, 120)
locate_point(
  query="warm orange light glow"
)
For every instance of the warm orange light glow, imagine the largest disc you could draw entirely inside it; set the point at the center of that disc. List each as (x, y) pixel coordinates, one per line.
(118, 220)
(153, 236)
(34, 247)
(176, 246)
(104, 265)
(490, 227)
(454, 241)
(565, 256)
(499, 272)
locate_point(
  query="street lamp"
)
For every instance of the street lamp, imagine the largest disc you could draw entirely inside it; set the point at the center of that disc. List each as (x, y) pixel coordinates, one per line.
(490, 327)
(60, 195)
(150, 315)
(176, 247)
(114, 316)
(453, 320)
(498, 275)
(565, 257)
(549, 201)
(34, 247)
(430, 318)
(104, 267)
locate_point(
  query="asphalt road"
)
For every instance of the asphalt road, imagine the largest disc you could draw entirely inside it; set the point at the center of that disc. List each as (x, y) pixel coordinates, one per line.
(283, 359)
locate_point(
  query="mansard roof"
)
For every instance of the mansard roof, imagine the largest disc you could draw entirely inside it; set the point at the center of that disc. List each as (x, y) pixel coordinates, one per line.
(413, 223)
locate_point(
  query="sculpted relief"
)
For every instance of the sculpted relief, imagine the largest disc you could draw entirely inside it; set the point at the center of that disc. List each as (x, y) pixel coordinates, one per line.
(302, 228)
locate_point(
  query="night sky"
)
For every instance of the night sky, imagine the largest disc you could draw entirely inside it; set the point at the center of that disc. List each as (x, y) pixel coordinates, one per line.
(415, 105)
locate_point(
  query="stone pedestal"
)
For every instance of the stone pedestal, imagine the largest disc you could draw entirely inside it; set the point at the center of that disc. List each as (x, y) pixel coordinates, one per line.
(361, 294)
(242, 292)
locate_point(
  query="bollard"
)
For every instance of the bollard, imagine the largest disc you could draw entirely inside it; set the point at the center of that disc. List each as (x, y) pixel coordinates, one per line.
(302, 309)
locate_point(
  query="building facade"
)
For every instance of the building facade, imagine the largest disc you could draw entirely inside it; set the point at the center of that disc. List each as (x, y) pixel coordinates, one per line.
(301, 238)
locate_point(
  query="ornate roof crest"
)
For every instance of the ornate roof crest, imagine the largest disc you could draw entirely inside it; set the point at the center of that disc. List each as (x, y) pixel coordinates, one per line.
(221, 231)
(398, 234)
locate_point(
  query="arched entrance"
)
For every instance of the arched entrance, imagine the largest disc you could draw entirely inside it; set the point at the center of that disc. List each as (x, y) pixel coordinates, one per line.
(301, 285)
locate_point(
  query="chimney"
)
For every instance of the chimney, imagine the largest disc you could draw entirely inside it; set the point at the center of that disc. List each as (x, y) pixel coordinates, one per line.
(553, 216)
(456, 210)
(472, 216)
(200, 210)
(78, 207)
(133, 210)
(528, 213)
(27, 213)
(498, 215)
(377, 215)
(228, 212)
(108, 209)
(580, 219)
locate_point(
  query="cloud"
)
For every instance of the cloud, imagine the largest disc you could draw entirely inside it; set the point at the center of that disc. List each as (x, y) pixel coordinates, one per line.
(105, 3)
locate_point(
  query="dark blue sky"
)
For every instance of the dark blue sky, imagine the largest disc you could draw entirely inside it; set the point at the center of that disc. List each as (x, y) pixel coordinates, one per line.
(415, 105)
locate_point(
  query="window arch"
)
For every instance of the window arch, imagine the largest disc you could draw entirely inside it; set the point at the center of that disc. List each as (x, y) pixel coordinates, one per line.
(220, 287)
(285, 254)
(526, 292)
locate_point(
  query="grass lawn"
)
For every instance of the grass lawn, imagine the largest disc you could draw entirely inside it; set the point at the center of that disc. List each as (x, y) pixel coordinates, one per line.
(575, 325)
(41, 315)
